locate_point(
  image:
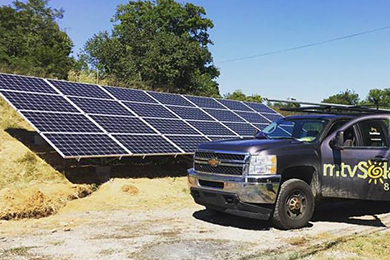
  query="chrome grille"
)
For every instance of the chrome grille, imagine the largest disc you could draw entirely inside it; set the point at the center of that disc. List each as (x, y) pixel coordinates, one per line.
(229, 164)
(220, 156)
(228, 170)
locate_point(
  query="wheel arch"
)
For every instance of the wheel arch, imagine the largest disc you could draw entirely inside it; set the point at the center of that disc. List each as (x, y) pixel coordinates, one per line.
(306, 173)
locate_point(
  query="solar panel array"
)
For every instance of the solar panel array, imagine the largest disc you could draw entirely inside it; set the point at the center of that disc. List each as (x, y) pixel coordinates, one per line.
(84, 120)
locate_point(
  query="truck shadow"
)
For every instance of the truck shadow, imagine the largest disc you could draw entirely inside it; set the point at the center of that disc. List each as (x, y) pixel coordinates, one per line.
(364, 213)
(223, 219)
(352, 212)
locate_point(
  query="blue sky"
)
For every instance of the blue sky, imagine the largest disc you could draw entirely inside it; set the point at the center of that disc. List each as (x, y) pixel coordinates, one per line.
(250, 27)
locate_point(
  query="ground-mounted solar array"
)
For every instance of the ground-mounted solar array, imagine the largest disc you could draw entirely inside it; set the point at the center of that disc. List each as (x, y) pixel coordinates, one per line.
(86, 120)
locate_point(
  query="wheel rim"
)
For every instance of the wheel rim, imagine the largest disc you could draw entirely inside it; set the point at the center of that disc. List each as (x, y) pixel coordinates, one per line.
(296, 204)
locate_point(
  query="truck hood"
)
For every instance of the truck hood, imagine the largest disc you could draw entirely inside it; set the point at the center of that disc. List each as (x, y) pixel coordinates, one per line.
(245, 145)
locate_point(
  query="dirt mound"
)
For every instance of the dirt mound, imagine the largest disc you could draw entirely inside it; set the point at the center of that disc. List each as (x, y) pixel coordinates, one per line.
(38, 200)
(131, 189)
(29, 187)
(137, 194)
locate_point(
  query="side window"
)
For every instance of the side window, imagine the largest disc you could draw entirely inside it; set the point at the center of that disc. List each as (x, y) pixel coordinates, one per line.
(374, 133)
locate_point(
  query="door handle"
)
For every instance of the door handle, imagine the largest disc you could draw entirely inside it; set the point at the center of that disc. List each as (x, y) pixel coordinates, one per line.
(379, 159)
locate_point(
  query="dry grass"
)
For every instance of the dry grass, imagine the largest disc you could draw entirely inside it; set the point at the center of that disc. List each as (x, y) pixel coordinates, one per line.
(29, 187)
(298, 241)
(373, 246)
(135, 194)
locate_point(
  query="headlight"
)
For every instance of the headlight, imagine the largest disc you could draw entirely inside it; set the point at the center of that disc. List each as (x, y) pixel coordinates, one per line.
(262, 164)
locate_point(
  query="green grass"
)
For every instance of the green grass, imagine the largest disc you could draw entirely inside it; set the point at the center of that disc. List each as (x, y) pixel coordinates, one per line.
(17, 251)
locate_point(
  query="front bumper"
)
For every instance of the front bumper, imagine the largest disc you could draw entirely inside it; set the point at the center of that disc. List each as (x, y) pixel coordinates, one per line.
(238, 195)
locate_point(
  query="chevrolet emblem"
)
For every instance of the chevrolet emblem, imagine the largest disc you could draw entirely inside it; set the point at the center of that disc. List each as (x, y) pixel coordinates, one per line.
(213, 162)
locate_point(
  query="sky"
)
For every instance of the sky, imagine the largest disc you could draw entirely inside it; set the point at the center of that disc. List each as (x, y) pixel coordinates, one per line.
(250, 27)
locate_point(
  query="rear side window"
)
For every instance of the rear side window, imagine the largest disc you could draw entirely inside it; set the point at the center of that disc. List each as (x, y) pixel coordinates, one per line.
(374, 133)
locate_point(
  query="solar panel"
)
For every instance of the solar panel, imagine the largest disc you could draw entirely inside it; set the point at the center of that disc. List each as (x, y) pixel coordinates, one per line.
(220, 138)
(205, 102)
(190, 113)
(126, 94)
(147, 144)
(211, 128)
(224, 115)
(121, 124)
(171, 126)
(10, 82)
(261, 126)
(150, 110)
(234, 105)
(79, 89)
(100, 106)
(188, 143)
(242, 129)
(87, 145)
(272, 117)
(85, 120)
(53, 122)
(38, 102)
(170, 99)
(253, 117)
(259, 107)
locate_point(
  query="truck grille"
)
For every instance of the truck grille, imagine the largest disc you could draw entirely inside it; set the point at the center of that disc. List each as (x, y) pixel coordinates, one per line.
(229, 164)
(220, 156)
(228, 170)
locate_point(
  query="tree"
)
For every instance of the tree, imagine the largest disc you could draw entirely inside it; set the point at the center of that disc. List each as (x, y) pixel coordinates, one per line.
(31, 41)
(380, 97)
(280, 105)
(347, 97)
(239, 95)
(159, 45)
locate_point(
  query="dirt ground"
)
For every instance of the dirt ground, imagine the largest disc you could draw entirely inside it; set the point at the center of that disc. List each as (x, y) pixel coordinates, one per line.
(121, 221)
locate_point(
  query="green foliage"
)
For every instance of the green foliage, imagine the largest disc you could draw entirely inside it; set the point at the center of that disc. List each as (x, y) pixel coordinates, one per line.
(239, 95)
(347, 97)
(159, 45)
(31, 41)
(278, 106)
(379, 97)
(285, 105)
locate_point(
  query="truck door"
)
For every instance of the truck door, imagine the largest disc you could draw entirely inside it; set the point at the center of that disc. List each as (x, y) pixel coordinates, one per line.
(359, 168)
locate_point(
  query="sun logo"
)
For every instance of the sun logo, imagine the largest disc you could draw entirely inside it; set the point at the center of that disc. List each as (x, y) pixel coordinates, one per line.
(375, 172)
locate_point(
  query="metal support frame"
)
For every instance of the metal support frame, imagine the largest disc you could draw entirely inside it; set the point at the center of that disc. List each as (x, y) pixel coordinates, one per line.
(328, 108)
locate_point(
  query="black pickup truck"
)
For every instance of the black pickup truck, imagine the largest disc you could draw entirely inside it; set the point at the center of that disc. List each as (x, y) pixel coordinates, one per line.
(283, 171)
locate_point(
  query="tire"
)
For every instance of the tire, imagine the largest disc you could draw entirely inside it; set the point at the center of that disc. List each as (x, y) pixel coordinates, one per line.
(294, 206)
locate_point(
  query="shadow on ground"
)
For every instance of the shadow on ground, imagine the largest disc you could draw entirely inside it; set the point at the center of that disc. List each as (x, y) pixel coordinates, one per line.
(84, 171)
(352, 212)
(223, 219)
(338, 211)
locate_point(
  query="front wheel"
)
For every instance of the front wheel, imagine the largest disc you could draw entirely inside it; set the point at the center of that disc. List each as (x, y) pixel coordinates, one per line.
(294, 206)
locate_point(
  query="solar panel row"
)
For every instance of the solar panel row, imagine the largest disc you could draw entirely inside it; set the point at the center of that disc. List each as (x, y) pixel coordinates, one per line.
(84, 120)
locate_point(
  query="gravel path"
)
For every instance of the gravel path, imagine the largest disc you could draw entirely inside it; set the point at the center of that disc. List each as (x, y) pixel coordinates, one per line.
(190, 233)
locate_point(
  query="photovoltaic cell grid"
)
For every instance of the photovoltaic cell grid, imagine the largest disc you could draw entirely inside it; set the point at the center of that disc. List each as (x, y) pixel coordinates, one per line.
(86, 120)
(11, 82)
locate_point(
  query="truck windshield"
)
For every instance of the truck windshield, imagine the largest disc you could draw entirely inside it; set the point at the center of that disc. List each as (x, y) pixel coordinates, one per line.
(303, 130)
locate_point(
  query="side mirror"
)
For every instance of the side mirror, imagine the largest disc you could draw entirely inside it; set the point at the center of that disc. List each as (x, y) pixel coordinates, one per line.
(337, 142)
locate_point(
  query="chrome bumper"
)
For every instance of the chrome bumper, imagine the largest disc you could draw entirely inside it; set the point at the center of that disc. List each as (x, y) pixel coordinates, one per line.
(257, 190)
